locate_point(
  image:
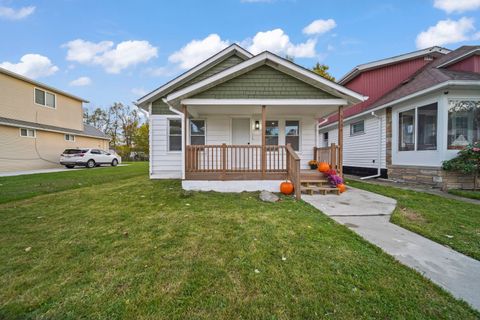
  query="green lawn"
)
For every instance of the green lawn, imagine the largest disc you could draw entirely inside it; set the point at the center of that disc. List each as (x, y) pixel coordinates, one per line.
(26, 186)
(466, 193)
(450, 222)
(141, 249)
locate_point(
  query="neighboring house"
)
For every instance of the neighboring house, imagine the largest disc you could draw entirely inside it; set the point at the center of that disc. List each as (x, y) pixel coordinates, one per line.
(224, 125)
(424, 106)
(37, 122)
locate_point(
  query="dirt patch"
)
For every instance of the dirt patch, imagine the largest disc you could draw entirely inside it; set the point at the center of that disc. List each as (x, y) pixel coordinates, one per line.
(412, 215)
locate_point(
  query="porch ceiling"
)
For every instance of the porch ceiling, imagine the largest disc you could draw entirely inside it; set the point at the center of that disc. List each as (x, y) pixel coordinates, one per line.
(315, 111)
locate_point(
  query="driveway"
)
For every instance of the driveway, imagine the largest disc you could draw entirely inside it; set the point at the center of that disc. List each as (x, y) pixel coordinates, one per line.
(368, 214)
(60, 169)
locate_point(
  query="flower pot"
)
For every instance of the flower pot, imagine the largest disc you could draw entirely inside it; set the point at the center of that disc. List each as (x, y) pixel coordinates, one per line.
(313, 167)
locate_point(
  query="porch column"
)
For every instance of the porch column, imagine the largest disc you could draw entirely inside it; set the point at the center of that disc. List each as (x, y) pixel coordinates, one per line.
(264, 141)
(340, 141)
(185, 130)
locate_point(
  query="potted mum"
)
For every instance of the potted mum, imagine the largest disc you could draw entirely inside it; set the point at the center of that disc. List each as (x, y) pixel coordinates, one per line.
(313, 164)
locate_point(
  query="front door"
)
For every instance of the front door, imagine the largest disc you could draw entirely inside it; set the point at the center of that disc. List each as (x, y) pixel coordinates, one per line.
(241, 131)
(240, 136)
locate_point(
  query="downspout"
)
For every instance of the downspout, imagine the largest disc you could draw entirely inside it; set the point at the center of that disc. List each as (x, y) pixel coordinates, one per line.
(380, 132)
(184, 134)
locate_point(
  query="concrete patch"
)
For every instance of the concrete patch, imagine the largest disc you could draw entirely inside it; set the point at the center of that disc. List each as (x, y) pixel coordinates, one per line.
(453, 271)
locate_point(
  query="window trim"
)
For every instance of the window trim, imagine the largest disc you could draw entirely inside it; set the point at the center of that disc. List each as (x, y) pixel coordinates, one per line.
(457, 98)
(45, 98)
(168, 134)
(415, 131)
(190, 130)
(352, 134)
(70, 135)
(27, 136)
(278, 135)
(299, 133)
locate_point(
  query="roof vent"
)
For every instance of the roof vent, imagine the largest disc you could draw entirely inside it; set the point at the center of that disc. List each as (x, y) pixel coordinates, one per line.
(428, 58)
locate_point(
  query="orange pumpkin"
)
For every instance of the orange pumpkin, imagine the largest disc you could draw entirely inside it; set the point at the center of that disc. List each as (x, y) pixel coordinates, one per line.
(323, 167)
(286, 187)
(342, 187)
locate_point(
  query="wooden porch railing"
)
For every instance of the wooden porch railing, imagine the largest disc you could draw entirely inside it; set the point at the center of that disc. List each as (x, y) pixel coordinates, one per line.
(293, 170)
(331, 155)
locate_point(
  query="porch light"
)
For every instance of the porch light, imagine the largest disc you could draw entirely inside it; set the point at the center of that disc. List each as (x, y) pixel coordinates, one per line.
(257, 125)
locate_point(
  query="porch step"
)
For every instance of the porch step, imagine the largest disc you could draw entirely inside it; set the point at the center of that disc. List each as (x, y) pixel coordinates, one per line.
(317, 181)
(322, 190)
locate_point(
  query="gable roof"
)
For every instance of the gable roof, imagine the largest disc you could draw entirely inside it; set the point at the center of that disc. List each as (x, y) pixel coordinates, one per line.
(229, 51)
(431, 77)
(274, 61)
(41, 85)
(392, 60)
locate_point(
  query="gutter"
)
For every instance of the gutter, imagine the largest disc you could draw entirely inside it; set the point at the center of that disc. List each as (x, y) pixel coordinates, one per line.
(379, 169)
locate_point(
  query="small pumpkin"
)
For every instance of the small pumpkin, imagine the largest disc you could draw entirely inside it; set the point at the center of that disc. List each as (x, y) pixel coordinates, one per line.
(286, 187)
(323, 167)
(342, 187)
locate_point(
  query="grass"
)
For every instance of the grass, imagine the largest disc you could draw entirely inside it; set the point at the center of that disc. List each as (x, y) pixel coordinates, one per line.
(466, 193)
(27, 186)
(136, 248)
(450, 222)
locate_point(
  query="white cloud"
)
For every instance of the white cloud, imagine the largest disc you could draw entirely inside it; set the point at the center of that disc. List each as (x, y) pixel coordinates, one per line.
(196, 51)
(278, 42)
(31, 65)
(451, 6)
(446, 32)
(112, 59)
(139, 92)
(319, 26)
(12, 14)
(81, 82)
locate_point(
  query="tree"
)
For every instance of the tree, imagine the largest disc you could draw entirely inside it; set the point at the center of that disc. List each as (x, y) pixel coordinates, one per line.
(141, 141)
(322, 70)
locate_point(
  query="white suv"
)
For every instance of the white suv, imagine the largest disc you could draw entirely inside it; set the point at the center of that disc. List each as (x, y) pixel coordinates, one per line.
(88, 157)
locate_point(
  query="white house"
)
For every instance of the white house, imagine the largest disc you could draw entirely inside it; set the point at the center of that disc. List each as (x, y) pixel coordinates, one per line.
(241, 122)
(424, 106)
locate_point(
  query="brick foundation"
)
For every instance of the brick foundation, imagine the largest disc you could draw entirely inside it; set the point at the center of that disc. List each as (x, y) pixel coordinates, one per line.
(432, 176)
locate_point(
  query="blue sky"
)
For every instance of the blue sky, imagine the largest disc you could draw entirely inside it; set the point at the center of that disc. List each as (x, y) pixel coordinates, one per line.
(108, 51)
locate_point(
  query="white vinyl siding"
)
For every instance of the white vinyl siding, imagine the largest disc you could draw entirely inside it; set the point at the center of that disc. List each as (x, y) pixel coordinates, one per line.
(164, 163)
(361, 150)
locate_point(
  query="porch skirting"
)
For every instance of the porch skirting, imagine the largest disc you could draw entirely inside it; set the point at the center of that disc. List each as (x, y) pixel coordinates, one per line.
(232, 185)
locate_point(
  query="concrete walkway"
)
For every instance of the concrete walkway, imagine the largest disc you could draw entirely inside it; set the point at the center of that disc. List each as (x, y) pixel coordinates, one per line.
(368, 214)
(59, 169)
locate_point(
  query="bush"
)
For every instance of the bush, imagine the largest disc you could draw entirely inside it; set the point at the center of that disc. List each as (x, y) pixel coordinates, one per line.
(467, 161)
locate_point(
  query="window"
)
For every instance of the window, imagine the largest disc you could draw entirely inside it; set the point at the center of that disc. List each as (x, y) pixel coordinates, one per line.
(427, 127)
(70, 137)
(44, 98)
(175, 135)
(406, 130)
(357, 128)
(271, 132)
(30, 133)
(325, 139)
(418, 128)
(463, 123)
(292, 134)
(197, 132)
(95, 151)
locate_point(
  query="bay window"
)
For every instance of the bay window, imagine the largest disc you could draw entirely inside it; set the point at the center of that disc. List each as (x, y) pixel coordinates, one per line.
(417, 128)
(463, 122)
(292, 134)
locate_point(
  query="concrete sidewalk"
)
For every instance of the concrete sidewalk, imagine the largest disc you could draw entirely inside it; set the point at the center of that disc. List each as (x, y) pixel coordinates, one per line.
(368, 214)
(59, 169)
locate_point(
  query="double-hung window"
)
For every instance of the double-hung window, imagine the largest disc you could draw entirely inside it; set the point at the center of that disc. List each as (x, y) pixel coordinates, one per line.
(463, 122)
(417, 128)
(175, 135)
(29, 133)
(292, 134)
(45, 98)
(197, 132)
(271, 132)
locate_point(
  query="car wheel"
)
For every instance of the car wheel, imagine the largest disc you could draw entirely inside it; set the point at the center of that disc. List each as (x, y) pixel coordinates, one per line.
(90, 164)
(114, 162)
(69, 166)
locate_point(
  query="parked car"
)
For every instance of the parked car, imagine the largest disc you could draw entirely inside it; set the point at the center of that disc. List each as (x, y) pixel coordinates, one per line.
(88, 157)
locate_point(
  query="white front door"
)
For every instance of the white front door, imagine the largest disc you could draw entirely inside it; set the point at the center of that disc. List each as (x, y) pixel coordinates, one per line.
(241, 131)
